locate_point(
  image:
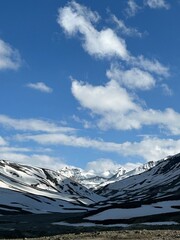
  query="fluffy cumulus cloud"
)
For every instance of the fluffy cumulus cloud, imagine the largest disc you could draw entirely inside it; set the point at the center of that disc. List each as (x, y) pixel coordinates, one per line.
(154, 148)
(157, 4)
(167, 120)
(133, 78)
(107, 167)
(32, 125)
(103, 167)
(114, 103)
(77, 19)
(40, 86)
(110, 98)
(9, 57)
(118, 109)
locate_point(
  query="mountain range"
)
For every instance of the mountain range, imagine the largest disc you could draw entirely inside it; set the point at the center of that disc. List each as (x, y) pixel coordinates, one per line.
(92, 181)
(147, 194)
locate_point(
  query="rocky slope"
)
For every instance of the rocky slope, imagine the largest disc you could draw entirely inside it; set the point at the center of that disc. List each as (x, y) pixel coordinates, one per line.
(153, 195)
(92, 181)
(150, 197)
(37, 190)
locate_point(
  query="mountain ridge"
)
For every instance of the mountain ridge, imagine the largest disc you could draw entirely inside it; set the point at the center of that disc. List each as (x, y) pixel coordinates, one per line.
(92, 181)
(149, 196)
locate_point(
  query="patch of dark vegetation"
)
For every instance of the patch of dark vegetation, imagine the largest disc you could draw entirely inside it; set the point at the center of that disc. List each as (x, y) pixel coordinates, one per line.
(176, 207)
(11, 210)
(34, 198)
(15, 174)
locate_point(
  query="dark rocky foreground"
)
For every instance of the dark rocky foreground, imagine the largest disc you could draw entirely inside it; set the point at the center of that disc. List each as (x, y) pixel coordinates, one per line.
(40, 226)
(34, 225)
(115, 235)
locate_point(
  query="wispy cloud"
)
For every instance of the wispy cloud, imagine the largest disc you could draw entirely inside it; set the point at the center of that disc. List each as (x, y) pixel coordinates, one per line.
(39, 160)
(32, 125)
(132, 8)
(40, 157)
(148, 149)
(9, 57)
(3, 142)
(127, 31)
(40, 86)
(166, 90)
(75, 18)
(157, 4)
(150, 65)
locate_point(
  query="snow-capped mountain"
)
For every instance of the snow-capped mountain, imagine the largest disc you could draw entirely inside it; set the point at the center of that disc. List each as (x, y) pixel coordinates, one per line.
(90, 180)
(30, 189)
(123, 173)
(87, 178)
(151, 196)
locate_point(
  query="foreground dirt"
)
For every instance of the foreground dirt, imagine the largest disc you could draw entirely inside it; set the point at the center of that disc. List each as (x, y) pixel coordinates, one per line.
(113, 235)
(42, 227)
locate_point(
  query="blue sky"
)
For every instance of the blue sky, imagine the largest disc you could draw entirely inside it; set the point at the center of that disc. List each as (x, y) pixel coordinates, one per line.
(89, 84)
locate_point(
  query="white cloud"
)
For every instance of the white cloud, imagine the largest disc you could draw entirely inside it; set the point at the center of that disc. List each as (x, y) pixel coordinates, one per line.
(150, 148)
(118, 109)
(40, 86)
(3, 142)
(62, 139)
(43, 161)
(127, 31)
(103, 167)
(153, 66)
(86, 124)
(132, 8)
(32, 125)
(168, 120)
(75, 18)
(110, 98)
(157, 4)
(133, 78)
(154, 148)
(166, 90)
(107, 167)
(9, 149)
(9, 57)
(27, 156)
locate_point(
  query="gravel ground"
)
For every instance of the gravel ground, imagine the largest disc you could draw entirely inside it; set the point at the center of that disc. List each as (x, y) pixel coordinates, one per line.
(113, 235)
(42, 227)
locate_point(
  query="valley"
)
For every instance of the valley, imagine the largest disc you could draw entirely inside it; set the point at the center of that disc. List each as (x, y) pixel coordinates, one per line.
(38, 202)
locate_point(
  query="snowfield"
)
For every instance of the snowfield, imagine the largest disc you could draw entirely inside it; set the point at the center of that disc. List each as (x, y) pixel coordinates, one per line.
(36, 190)
(147, 197)
(144, 210)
